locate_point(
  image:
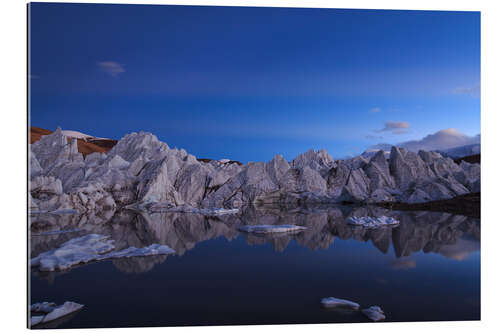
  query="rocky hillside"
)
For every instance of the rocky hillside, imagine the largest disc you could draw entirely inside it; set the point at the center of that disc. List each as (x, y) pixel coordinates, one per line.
(143, 173)
(86, 145)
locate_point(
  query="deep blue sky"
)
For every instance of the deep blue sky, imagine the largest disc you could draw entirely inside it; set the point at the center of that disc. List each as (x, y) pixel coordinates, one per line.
(248, 83)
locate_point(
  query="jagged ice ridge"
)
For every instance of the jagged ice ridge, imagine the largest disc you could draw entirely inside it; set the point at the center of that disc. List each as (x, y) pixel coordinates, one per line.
(141, 171)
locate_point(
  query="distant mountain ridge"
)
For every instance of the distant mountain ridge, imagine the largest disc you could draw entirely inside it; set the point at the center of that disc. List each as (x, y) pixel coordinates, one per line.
(448, 142)
(462, 151)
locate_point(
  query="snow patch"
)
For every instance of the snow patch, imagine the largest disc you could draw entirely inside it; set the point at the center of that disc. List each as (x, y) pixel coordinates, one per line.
(80, 135)
(76, 134)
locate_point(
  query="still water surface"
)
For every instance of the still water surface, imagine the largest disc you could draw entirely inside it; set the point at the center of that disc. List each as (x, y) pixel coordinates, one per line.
(428, 268)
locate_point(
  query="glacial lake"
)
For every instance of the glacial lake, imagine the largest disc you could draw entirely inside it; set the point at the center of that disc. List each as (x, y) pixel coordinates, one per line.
(427, 268)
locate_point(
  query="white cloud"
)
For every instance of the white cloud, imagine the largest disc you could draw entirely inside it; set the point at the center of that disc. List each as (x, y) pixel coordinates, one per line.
(441, 140)
(396, 127)
(471, 91)
(444, 139)
(375, 110)
(111, 67)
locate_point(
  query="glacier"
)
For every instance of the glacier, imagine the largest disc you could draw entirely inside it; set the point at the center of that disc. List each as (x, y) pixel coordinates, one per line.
(92, 247)
(143, 173)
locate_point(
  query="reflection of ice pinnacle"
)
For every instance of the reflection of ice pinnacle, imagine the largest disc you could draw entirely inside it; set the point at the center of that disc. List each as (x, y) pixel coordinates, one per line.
(429, 231)
(373, 222)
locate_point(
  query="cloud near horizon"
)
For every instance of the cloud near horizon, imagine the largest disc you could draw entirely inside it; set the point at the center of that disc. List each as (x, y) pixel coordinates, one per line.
(441, 140)
(375, 110)
(395, 127)
(111, 67)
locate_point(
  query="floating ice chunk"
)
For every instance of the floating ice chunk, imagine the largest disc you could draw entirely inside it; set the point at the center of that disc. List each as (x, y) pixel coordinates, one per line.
(34, 320)
(52, 311)
(88, 248)
(63, 310)
(374, 312)
(373, 222)
(332, 302)
(267, 229)
(75, 251)
(44, 307)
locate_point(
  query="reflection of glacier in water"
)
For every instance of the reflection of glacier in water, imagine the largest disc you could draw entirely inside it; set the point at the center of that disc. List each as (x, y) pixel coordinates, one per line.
(453, 236)
(426, 268)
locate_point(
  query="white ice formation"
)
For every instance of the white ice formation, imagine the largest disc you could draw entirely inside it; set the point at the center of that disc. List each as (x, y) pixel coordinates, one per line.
(374, 312)
(48, 311)
(332, 302)
(373, 222)
(142, 172)
(92, 247)
(269, 229)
